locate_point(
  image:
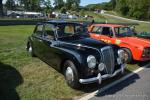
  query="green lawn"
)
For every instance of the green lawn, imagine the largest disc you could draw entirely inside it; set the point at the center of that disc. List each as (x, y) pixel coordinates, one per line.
(26, 78)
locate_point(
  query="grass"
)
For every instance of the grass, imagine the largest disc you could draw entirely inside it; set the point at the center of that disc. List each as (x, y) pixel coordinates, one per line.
(33, 79)
(26, 78)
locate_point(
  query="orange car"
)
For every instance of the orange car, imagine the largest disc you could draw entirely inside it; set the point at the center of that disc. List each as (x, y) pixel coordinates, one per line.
(135, 48)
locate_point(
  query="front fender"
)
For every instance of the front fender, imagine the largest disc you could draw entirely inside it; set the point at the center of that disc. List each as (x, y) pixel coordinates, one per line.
(74, 56)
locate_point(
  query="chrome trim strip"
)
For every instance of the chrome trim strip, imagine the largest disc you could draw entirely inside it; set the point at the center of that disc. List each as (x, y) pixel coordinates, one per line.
(100, 77)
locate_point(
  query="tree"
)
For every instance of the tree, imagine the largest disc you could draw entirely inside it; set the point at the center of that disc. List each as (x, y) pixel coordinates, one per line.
(122, 7)
(1, 8)
(77, 3)
(82, 12)
(113, 4)
(133, 8)
(73, 4)
(48, 7)
(68, 4)
(58, 4)
(63, 10)
(10, 5)
(31, 5)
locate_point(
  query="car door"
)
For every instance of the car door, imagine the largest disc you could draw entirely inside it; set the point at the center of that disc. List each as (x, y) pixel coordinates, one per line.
(116, 38)
(95, 32)
(37, 39)
(50, 51)
(107, 35)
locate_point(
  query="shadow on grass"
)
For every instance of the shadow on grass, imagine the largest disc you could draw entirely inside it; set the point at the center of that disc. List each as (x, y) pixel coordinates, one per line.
(10, 78)
(93, 87)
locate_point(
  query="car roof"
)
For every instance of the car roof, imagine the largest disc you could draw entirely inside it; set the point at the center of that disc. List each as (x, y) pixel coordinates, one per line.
(60, 22)
(109, 25)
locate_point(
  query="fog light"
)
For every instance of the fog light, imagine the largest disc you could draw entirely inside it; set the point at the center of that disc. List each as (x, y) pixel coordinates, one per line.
(101, 66)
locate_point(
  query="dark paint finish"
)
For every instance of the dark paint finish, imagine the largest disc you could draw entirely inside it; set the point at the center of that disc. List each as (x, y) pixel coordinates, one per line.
(75, 48)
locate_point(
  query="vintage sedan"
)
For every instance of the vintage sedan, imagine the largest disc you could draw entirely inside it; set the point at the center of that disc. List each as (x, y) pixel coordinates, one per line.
(135, 48)
(67, 47)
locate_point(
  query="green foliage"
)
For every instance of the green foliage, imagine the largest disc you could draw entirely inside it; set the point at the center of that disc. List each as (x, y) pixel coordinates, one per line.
(63, 10)
(113, 4)
(122, 7)
(138, 9)
(10, 5)
(58, 4)
(72, 4)
(82, 12)
(31, 5)
(101, 6)
(48, 7)
(1, 8)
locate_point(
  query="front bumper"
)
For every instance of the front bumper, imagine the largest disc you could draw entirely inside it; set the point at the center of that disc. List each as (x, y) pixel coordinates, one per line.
(100, 77)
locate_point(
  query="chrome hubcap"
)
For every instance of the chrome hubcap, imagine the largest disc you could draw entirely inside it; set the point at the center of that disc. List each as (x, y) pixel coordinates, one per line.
(69, 74)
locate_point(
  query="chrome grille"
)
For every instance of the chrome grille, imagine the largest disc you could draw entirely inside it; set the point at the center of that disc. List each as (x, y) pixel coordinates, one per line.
(108, 59)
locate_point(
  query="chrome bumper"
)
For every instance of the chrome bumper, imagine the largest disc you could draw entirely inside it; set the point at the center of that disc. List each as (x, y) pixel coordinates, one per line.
(100, 77)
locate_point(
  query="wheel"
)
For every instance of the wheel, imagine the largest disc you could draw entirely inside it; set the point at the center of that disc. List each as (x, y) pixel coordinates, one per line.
(30, 50)
(128, 55)
(71, 74)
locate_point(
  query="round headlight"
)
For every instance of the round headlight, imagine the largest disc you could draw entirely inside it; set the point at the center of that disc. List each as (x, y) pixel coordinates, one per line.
(91, 60)
(101, 66)
(121, 53)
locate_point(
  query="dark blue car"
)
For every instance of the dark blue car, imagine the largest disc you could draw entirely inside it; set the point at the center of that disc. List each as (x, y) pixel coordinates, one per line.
(67, 47)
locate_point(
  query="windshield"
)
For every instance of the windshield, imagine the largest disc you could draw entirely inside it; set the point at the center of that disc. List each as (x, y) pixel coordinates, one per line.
(71, 29)
(124, 31)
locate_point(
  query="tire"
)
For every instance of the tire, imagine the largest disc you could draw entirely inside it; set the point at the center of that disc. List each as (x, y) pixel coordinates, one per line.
(128, 55)
(30, 50)
(71, 74)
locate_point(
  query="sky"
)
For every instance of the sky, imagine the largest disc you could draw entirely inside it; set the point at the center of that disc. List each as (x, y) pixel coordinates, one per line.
(84, 2)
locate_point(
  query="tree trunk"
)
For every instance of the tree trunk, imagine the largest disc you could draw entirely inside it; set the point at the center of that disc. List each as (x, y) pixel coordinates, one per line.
(1, 8)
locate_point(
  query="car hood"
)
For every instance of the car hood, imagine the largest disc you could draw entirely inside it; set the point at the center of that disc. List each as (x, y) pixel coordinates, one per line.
(86, 42)
(140, 42)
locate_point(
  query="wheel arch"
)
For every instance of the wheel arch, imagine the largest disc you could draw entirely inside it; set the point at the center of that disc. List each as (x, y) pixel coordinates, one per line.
(75, 57)
(130, 52)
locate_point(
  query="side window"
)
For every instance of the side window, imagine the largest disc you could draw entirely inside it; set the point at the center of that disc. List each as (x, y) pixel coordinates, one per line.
(49, 31)
(69, 30)
(107, 31)
(97, 29)
(79, 29)
(39, 30)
